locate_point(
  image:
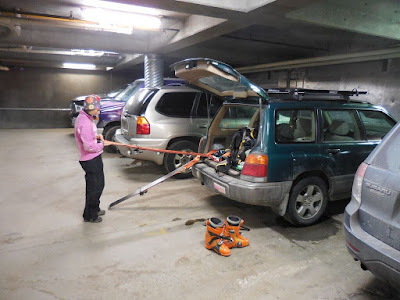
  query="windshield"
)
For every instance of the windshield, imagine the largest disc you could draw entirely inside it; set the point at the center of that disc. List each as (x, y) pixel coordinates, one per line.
(115, 92)
(129, 91)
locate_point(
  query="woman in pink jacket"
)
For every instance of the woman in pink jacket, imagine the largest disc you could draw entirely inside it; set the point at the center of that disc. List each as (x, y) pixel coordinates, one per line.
(90, 146)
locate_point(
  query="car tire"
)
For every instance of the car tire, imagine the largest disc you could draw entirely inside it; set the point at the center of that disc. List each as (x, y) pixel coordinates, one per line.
(307, 202)
(174, 161)
(108, 134)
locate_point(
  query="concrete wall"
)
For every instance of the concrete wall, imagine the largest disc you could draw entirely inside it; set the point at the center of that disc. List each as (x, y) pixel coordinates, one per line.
(381, 79)
(50, 90)
(40, 97)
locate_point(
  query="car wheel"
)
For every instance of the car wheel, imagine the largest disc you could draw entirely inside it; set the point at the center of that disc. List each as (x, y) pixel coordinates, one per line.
(175, 161)
(108, 134)
(307, 202)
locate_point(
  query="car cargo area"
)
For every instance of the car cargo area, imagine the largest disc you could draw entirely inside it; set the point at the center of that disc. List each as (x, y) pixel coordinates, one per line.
(234, 133)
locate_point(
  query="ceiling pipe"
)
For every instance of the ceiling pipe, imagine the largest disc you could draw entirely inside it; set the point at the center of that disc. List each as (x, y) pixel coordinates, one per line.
(324, 61)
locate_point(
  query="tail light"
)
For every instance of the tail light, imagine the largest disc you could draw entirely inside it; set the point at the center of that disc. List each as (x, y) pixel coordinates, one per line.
(142, 126)
(256, 165)
(357, 183)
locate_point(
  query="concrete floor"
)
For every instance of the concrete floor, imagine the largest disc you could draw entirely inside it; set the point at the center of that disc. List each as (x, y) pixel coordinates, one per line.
(145, 247)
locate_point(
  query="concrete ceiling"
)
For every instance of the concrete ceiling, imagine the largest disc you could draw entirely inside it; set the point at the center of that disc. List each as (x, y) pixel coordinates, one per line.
(252, 35)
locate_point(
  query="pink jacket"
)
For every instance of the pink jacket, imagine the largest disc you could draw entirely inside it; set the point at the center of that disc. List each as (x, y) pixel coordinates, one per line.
(85, 136)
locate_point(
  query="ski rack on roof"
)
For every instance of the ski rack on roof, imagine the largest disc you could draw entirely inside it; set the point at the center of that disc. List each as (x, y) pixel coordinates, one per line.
(310, 94)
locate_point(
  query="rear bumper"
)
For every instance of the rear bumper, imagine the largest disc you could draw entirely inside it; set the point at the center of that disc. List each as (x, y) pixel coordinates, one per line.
(265, 194)
(155, 157)
(379, 258)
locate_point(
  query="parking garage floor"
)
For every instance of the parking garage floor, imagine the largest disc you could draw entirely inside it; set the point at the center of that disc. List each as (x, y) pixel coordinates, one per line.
(152, 246)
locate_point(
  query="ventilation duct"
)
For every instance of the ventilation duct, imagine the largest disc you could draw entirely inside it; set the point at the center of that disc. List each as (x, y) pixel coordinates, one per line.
(153, 71)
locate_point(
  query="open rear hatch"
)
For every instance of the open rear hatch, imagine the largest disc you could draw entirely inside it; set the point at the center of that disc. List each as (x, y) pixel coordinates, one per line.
(243, 102)
(217, 78)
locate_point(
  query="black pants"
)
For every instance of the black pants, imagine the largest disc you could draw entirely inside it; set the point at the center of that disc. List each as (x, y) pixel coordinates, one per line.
(94, 177)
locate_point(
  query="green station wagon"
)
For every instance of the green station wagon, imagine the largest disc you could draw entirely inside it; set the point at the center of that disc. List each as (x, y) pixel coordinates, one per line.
(307, 150)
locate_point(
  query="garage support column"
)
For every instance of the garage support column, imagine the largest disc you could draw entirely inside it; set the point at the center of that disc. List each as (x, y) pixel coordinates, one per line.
(153, 70)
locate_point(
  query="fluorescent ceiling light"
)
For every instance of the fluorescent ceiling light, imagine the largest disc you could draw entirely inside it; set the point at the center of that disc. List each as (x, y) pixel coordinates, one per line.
(121, 7)
(119, 21)
(83, 52)
(79, 66)
(109, 68)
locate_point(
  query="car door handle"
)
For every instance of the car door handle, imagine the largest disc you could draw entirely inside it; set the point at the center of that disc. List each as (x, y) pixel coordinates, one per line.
(333, 151)
(202, 126)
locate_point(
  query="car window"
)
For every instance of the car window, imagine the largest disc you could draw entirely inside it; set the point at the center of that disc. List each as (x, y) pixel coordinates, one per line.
(340, 126)
(208, 103)
(294, 126)
(387, 156)
(376, 124)
(176, 104)
(202, 109)
(236, 117)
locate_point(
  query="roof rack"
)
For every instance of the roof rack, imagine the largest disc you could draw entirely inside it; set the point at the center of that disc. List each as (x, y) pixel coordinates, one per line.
(310, 94)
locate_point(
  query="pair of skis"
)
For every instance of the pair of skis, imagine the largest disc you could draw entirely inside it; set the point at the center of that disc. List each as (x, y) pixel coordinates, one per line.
(141, 191)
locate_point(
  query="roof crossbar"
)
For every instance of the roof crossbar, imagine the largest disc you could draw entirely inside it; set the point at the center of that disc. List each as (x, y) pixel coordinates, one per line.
(311, 94)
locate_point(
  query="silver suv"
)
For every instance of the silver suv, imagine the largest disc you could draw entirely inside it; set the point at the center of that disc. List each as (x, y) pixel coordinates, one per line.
(171, 117)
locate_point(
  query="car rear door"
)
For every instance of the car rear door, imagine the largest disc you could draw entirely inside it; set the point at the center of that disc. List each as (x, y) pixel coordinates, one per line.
(343, 147)
(379, 212)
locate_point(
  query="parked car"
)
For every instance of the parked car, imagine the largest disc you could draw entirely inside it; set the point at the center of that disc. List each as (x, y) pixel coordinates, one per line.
(372, 218)
(171, 117)
(111, 108)
(307, 150)
(111, 94)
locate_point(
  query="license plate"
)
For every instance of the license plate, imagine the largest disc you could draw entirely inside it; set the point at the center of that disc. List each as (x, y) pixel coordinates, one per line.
(219, 188)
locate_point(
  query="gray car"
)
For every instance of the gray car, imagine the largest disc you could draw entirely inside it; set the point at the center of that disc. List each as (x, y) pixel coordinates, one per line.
(372, 218)
(171, 117)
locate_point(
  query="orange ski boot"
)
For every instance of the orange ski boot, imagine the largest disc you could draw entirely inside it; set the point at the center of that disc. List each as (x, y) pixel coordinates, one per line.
(233, 227)
(215, 237)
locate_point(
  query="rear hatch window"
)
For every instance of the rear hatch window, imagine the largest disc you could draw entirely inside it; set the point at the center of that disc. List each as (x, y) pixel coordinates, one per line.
(137, 104)
(379, 213)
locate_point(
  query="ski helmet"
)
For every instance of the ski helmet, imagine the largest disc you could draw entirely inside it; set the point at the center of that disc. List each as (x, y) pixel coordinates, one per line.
(92, 102)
